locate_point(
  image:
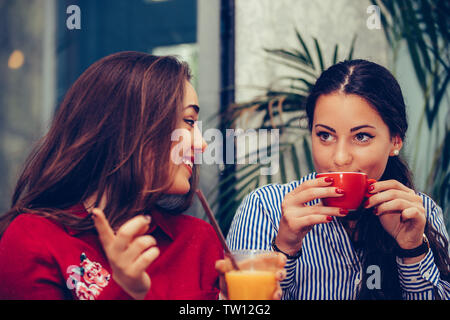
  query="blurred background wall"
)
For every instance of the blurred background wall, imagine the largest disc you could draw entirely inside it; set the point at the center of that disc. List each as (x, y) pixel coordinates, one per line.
(268, 24)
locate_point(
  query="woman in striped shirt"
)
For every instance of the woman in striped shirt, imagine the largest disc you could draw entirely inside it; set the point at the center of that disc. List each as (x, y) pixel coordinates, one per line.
(396, 245)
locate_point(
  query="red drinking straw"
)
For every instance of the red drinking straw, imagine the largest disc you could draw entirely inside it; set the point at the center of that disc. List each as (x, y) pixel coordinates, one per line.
(216, 227)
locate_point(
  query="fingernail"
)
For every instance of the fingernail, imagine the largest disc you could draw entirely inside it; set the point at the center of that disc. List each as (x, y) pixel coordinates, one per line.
(343, 211)
(94, 213)
(278, 295)
(329, 179)
(339, 191)
(329, 218)
(147, 217)
(366, 203)
(375, 210)
(371, 187)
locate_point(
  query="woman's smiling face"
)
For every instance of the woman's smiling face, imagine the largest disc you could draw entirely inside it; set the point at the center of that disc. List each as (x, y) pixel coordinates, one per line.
(348, 134)
(189, 143)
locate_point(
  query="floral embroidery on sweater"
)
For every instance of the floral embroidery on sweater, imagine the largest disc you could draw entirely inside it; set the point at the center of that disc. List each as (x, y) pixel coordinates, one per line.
(88, 279)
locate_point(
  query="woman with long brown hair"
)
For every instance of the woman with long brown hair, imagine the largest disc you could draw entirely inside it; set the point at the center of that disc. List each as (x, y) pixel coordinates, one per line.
(90, 215)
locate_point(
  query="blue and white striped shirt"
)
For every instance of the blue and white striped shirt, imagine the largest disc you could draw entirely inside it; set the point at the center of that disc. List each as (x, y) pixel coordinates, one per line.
(329, 267)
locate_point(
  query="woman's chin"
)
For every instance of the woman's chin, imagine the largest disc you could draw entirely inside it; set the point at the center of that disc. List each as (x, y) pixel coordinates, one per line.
(179, 189)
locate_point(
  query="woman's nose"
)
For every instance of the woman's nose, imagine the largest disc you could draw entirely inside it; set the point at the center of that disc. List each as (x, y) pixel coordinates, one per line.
(342, 156)
(199, 144)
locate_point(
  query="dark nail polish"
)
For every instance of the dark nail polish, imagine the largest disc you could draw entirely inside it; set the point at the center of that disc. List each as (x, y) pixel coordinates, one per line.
(329, 218)
(329, 179)
(371, 187)
(339, 191)
(343, 211)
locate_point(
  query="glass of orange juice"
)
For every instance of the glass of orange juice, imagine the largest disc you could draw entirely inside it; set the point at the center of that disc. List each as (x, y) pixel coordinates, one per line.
(256, 278)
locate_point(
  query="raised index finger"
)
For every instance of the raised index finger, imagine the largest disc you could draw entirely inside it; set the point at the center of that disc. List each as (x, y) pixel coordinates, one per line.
(313, 183)
(105, 232)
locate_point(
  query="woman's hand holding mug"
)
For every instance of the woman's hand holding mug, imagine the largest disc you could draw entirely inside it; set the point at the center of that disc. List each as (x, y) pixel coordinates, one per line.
(298, 219)
(400, 210)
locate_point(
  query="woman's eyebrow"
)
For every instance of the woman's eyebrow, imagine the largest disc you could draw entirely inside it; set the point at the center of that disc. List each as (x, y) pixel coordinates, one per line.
(326, 127)
(194, 106)
(360, 127)
(351, 130)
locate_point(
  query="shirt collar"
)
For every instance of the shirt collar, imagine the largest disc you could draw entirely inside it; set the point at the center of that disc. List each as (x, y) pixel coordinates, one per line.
(164, 222)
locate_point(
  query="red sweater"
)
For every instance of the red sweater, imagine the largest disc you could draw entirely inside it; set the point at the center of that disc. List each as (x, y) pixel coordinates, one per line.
(41, 259)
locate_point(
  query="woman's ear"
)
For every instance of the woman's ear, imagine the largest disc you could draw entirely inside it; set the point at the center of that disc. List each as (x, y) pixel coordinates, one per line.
(397, 144)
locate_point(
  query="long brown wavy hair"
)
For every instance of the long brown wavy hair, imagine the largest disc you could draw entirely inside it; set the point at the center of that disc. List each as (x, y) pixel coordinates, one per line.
(110, 136)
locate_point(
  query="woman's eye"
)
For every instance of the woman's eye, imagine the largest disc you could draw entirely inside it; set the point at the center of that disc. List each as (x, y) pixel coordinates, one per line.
(363, 137)
(190, 122)
(325, 136)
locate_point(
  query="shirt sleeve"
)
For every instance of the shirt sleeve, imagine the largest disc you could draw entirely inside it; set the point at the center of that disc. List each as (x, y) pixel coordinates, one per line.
(252, 227)
(422, 280)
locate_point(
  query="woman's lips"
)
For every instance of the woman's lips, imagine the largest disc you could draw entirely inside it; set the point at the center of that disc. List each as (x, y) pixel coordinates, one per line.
(188, 164)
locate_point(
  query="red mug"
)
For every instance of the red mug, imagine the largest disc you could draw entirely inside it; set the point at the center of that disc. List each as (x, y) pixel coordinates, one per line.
(355, 186)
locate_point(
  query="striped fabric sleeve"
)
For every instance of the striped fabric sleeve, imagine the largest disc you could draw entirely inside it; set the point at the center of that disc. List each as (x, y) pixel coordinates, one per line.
(252, 228)
(421, 280)
(289, 284)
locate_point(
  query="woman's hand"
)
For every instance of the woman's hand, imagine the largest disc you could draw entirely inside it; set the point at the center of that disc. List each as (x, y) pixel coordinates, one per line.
(225, 265)
(298, 219)
(129, 252)
(400, 210)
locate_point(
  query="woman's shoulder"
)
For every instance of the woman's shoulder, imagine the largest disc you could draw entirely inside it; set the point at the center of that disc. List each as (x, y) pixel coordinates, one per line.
(31, 232)
(28, 234)
(31, 225)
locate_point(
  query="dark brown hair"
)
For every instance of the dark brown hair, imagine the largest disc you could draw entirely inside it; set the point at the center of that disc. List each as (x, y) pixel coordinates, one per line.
(379, 88)
(110, 135)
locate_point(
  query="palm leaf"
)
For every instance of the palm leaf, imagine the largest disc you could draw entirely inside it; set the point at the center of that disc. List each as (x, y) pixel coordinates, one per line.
(319, 54)
(305, 49)
(335, 54)
(352, 48)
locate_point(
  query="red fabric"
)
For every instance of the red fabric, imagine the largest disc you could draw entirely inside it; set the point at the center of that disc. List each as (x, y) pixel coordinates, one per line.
(40, 259)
